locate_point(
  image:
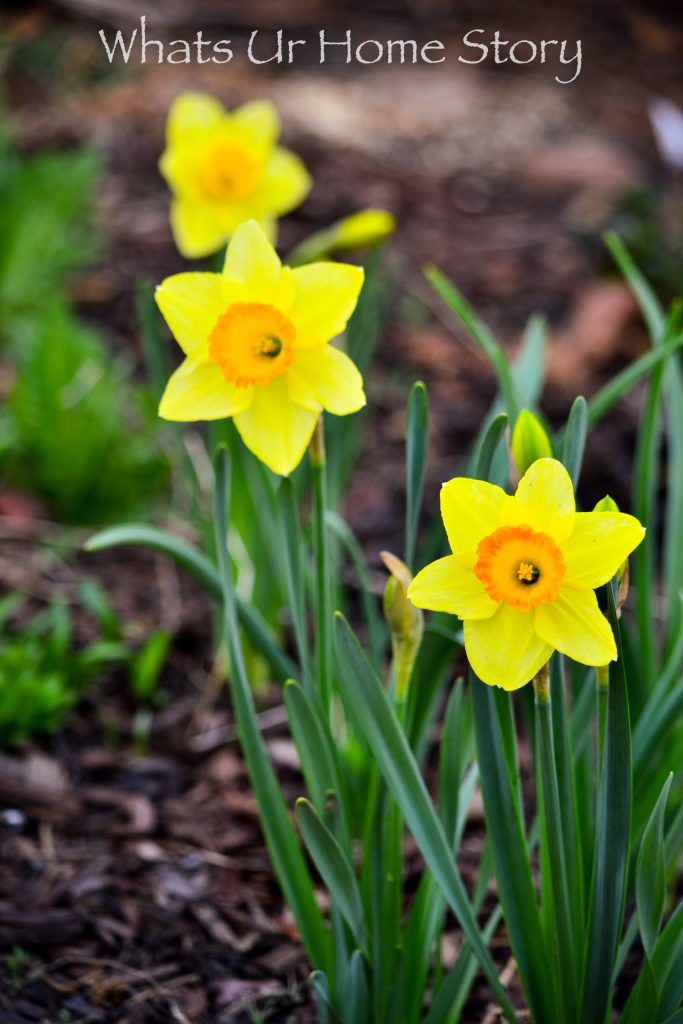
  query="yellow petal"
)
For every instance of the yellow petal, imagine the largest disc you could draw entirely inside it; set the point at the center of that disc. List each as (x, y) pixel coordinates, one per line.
(191, 304)
(325, 378)
(275, 429)
(252, 260)
(326, 296)
(284, 185)
(192, 115)
(599, 543)
(470, 510)
(181, 169)
(447, 586)
(574, 625)
(199, 227)
(505, 650)
(258, 124)
(544, 500)
(199, 391)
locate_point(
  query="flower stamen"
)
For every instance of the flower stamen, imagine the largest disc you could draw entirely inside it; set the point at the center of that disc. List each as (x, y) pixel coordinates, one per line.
(528, 573)
(252, 343)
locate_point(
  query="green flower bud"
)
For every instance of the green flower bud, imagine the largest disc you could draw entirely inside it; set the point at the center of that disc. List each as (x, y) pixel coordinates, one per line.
(363, 230)
(406, 623)
(529, 441)
(608, 504)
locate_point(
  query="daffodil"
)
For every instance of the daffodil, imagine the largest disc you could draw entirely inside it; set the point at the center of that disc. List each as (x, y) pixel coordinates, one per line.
(523, 571)
(255, 340)
(225, 168)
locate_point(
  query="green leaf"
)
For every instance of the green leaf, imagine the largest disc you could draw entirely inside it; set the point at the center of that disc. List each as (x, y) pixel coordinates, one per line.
(480, 333)
(553, 823)
(613, 823)
(377, 631)
(335, 869)
(154, 345)
(651, 873)
(294, 573)
(667, 964)
(204, 572)
(148, 663)
(511, 857)
(644, 293)
(641, 1004)
(484, 455)
(574, 440)
(356, 999)
(604, 399)
(369, 708)
(676, 1018)
(328, 1015)
(528, 366)
(417, 438)
(316, 752)
(287, 859)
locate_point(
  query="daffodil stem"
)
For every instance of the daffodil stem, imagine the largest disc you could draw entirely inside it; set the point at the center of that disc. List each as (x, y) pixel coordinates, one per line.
(602, 697)
(323, 602)
(555, 840)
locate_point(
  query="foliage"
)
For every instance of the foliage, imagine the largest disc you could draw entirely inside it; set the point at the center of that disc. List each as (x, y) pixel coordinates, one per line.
(582, 873)
(74, 430)
(42, 676)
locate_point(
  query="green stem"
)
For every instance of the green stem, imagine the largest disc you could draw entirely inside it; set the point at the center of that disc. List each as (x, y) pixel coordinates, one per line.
(558, 864)
(323, 601)
(289, 864)
(602, 696)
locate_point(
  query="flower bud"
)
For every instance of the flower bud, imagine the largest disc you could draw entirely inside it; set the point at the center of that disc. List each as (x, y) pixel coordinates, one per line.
(363, 230)
(406, 622)
(529, 441)
(608, 504)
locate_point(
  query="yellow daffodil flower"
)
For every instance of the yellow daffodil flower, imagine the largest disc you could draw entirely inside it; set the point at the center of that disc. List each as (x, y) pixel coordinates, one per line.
(522, 573)
(256, 344)
(224, 168)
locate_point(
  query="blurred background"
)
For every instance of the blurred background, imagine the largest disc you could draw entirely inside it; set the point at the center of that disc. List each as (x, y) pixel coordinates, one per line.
(499, 176)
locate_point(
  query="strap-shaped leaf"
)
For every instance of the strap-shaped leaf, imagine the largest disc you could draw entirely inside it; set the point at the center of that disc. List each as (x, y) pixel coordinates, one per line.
(651, 873)
(373, 716)
(480, 333)
(613, 824)
(288, 861)
(357, 1000)
(574, 440)
(510, 853)
(335, 869)
(417, 437)
(205, 573)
